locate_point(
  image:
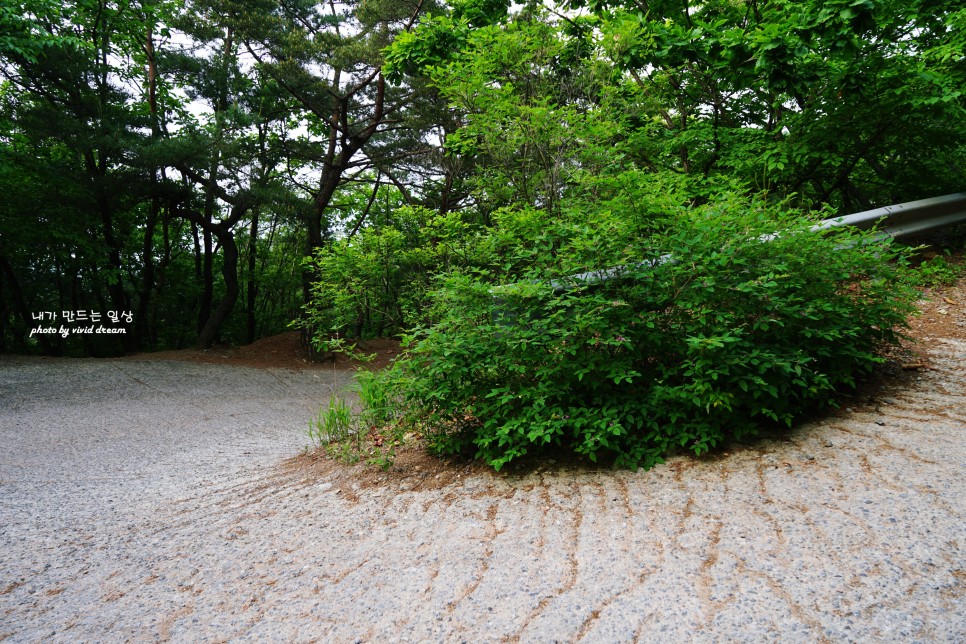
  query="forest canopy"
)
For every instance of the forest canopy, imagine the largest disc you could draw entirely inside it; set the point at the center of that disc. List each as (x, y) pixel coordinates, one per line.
(216, 169)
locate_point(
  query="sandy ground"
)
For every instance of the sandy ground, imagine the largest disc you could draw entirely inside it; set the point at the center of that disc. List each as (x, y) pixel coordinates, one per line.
(145, 500)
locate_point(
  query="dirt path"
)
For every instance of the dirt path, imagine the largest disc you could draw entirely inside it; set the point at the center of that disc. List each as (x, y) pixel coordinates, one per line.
(146, 501)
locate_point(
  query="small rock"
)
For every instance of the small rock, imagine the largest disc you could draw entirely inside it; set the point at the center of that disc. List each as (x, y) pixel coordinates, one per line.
(880, 423)
(889, 401)
(828, 444)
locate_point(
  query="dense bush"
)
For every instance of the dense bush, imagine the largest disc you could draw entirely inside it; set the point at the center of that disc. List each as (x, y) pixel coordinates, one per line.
(742, 328)
(377, 283)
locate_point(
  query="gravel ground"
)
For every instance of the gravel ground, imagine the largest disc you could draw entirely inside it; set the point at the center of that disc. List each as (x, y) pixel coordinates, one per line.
(144, 501)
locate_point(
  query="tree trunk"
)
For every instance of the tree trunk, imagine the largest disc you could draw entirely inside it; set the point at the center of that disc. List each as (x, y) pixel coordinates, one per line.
(207, 277)
(252, 286)
(142, 320)
(16, 295)
(76, 303)
(209, 334)
(115, 287)
(3, 319)
(162, 275)
(223, 230)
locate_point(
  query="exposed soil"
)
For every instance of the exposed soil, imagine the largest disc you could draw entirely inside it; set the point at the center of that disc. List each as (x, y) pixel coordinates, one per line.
(943, 314)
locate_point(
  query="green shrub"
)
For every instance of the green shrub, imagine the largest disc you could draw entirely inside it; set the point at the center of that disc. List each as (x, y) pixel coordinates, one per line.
(737, 332)
(376, 283)
(938, 271)
(372, 434)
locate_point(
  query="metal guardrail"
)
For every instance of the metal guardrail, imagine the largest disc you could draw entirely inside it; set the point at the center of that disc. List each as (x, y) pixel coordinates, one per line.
(907, 219)
(898, 221)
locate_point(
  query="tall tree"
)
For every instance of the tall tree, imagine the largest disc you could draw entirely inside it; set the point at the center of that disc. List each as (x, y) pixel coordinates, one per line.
(831, 100)
(223, 153)
(73, 105)
(328, 58)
